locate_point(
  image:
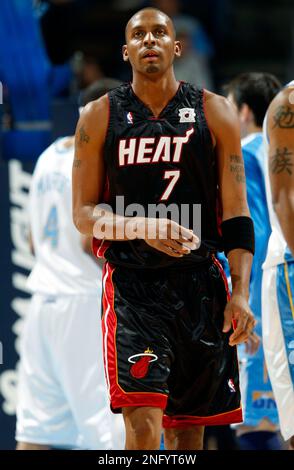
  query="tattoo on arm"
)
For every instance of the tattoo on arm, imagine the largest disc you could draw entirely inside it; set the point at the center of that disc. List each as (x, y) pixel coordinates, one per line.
(281, 162)
(83, 136)
(284, 117)
(235, 278)
(77, 163)
(237, 167)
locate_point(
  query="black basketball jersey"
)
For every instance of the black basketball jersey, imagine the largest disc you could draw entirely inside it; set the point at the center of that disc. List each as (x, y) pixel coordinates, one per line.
(167, 159)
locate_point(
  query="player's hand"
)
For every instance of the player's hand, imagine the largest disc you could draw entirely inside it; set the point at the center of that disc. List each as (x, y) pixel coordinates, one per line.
(252, 344)
(168, 237)
(237, 309)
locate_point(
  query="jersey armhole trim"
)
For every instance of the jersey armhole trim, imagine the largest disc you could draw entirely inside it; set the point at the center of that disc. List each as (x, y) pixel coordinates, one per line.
(107, 137)
(108, 119)
(212, 138)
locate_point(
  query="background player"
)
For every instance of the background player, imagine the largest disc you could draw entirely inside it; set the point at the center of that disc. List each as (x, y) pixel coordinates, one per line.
(163, 326)
(62, 398)
(278, 276)
(252, 93)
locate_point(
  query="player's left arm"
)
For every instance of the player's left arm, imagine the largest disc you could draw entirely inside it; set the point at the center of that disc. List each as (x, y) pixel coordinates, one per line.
(280, 128)
(224, 125)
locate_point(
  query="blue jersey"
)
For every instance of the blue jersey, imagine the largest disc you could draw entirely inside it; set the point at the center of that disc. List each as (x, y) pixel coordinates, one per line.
(253, 155)
(257, 396)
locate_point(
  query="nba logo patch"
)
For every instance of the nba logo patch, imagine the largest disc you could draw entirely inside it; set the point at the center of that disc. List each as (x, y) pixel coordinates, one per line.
(130, 119)
(231, 386)
(187, 115)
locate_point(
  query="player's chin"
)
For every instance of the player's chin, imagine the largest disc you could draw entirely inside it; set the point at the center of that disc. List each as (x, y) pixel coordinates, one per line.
(152, 68)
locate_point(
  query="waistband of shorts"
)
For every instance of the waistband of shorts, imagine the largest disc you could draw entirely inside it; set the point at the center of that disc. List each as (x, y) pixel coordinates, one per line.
(196, 263)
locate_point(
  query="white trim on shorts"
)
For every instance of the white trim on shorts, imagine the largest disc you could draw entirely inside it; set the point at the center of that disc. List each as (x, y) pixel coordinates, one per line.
(275, 353)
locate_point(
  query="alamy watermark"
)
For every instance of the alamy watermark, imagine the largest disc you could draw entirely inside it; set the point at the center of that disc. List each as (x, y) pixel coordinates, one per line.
(155, 221)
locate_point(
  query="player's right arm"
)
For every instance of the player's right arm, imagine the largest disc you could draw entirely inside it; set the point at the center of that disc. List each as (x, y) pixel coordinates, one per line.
(88, 172)
(88, 179)
(223, 122)
(88, 176)
(280, 129)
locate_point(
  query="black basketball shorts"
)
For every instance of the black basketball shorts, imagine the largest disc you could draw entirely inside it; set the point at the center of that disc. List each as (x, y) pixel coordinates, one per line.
(163, 343)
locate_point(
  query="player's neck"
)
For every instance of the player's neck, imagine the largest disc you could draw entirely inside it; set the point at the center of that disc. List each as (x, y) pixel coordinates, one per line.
(253, 129)
(155, 93)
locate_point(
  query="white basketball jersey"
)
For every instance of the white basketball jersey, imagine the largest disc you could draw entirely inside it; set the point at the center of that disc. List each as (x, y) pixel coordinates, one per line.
(278, 252)
(61, 267)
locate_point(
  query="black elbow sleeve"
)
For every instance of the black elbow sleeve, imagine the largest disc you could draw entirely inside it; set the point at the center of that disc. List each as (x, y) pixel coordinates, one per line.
(238, 232)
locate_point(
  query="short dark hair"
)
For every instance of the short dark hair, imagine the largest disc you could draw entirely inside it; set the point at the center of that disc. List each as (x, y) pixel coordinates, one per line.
(256, 89)
(151, 9)
(97, 89)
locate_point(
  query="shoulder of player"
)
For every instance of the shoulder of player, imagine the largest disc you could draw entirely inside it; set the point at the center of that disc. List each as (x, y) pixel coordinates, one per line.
(284, 98)
(96, 109)
(220, 113)
(218, 107)
(94, 120)
(280, 114)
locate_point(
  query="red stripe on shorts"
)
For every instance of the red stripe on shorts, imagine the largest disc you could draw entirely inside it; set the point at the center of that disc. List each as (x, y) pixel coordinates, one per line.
(118, 397)
(182, 421)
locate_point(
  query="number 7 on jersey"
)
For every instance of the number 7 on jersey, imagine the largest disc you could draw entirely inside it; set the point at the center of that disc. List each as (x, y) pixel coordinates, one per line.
(173, 176)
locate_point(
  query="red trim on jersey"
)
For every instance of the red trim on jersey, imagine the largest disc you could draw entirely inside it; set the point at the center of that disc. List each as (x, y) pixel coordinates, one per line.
(234, 322)
(104, 308)
(108, 119)
(182, 421)
(205, 115)
(118, 397)
(99, 247)
(157, 118)
(153, 118)
(223, 275)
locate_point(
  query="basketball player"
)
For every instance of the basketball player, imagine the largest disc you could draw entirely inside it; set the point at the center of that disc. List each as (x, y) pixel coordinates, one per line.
(62, 401)
(278, 276)
(169, 347)
(252, 93)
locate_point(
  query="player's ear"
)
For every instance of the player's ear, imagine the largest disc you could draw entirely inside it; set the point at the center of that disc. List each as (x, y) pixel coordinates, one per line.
(125, 53)
(178, 49)
(245, 113)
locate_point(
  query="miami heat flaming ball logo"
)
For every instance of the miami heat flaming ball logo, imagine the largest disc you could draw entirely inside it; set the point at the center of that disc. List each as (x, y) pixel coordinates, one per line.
(140, 368)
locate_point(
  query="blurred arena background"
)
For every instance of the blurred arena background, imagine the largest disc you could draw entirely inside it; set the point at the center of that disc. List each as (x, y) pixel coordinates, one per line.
(49, 51)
